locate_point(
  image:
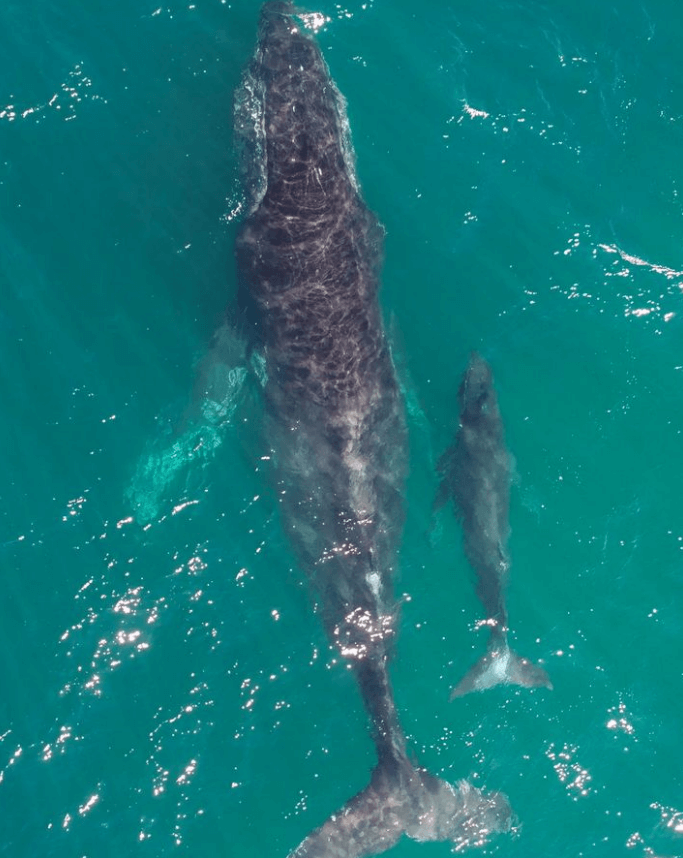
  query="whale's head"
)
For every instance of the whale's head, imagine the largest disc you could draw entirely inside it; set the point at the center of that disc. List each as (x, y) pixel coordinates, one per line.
(477, 396)
(283, 42)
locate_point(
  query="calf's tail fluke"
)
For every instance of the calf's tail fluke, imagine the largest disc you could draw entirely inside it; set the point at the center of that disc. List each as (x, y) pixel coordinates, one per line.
(501, 666)
(401, 799)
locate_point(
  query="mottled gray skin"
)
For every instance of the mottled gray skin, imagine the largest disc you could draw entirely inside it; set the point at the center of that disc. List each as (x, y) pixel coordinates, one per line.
(477, 472)
(308, 258)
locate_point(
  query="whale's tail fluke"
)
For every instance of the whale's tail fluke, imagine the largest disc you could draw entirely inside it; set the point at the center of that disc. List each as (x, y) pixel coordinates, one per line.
(401, 799)
(501, 666)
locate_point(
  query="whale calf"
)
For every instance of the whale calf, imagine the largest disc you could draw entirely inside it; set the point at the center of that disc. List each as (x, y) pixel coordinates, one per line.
(308, 258)
(476, 473)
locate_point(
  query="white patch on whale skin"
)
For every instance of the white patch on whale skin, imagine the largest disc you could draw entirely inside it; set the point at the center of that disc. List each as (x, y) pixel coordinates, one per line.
(374, 581)
(495, 673)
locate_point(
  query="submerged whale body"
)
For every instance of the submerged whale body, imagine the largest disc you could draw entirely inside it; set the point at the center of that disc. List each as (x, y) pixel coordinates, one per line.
(476, 473)
(308, 256)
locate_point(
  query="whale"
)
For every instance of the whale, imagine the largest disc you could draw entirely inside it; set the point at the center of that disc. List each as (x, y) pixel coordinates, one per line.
(476, 474)
(308, 254)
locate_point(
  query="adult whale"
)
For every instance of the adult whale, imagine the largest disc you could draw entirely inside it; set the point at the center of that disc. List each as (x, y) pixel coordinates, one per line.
(476, 474)
(308, 256)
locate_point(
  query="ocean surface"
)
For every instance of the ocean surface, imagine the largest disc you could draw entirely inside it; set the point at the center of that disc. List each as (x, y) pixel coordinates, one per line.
(165, 686)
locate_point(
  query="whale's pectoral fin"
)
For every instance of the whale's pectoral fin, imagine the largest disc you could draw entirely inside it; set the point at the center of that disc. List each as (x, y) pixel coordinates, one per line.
(220, 378)
(443, 495)
(163, 474)
(412, 802)
(501, 666)
(445, 464)
(435, 531)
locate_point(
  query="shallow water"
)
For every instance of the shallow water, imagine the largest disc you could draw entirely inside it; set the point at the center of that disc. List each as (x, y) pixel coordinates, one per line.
(166, 688)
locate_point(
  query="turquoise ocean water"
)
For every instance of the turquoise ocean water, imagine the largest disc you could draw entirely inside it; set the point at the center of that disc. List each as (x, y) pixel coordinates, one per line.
(165, 688)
